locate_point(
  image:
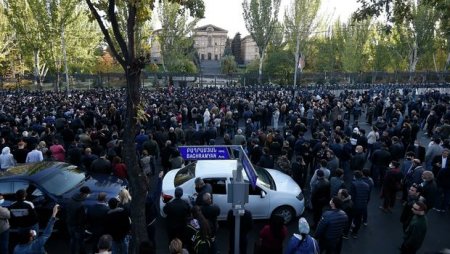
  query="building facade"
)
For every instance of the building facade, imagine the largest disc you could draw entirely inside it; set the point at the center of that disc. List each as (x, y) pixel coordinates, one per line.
(249, 50)
(210, 41)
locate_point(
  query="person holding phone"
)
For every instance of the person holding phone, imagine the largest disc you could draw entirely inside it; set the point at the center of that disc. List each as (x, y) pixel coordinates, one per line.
(30, 243)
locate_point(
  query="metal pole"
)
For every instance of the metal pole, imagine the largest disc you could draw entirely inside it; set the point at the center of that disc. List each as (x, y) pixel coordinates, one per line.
(237, 207)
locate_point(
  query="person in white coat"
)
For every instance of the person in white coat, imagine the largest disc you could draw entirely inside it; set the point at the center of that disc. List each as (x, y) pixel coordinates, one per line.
(206, 117)
(276, 117)
(6, 159)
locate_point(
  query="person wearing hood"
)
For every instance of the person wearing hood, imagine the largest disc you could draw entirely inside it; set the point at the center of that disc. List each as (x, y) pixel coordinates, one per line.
(6, 159)
(302, 242)
(76, 219)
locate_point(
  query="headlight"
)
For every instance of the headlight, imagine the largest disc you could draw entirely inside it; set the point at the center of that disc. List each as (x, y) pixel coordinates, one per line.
(300, 196)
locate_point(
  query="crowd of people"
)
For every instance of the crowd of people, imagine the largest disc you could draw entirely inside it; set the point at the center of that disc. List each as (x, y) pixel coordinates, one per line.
(317, 136)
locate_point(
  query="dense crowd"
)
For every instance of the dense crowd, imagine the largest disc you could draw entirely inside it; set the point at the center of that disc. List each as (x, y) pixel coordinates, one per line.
(318, 136)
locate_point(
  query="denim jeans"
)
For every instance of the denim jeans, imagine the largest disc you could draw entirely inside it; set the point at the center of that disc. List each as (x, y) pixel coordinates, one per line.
(4, 241)
(76, 240)
(121, 246)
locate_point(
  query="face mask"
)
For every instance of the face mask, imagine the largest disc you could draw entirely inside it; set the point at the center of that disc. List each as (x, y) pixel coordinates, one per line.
(2, 201)
(416, 145)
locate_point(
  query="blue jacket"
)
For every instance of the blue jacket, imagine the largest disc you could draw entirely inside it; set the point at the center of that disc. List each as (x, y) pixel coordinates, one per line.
(331, 226)
(295, 245)
(37, 245)
(360, 192)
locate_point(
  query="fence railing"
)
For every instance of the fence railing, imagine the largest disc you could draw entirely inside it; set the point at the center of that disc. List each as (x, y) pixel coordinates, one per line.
(87, 81)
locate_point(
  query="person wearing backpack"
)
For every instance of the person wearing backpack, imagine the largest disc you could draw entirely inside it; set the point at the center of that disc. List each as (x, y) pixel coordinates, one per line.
(197, 234)
(302, 242)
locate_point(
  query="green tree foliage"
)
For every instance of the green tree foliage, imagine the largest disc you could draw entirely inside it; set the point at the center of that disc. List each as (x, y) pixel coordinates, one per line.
(300, 21)
(279, 65)
(173, 38)
(8, 46)
(236, 48)
(228, 65)
(353, 38)
(227, 51)
(261, 18)
(29, 33)
(400, 11)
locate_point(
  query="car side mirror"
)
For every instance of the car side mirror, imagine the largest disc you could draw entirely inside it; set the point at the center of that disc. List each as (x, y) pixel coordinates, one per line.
(263, 194)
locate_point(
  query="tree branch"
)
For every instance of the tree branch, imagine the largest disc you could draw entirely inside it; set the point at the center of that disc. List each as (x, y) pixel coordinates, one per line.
(116, 31)
(130, 30)
(105, 32)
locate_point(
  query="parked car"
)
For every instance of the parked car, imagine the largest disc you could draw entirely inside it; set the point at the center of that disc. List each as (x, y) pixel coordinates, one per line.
(275, 192)
(47, 183)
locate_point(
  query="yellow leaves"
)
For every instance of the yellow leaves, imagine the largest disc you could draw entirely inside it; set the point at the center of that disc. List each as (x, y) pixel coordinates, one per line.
(141, 115)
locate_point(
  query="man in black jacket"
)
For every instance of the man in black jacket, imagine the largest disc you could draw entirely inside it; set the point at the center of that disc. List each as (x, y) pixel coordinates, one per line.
(23, 214)
(177, 212)
(152, 209)
(201, 188)
(331, 228)
(96, 218)
(76, 220)
(320, 194)
(360, 192)
(397, 149)
(211, 212)
(380, 161)
(118, 225)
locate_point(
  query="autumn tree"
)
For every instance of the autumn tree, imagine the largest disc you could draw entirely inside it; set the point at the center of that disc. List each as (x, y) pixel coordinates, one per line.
(118, 21)
(300, 21)
(261, 18)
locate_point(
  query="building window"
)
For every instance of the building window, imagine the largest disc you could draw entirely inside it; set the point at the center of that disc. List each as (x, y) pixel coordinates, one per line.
(209, 56)
(209, 41)
(216, 57)
(203, 57)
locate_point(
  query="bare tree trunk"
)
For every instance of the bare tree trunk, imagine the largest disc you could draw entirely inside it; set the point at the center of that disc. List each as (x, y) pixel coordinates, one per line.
(137, 180)
(413, 59)
(66, 69)
(261, 61)
(297, 49)
(37, 82)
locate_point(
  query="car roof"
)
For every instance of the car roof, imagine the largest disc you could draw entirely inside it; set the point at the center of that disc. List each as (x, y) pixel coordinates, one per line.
(205, 168)
(33, 170)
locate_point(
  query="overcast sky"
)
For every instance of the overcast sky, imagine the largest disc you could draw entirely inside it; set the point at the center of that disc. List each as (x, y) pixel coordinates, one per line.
(227, 14)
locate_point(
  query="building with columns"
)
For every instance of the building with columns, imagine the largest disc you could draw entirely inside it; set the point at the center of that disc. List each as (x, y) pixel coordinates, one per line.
(209, 41)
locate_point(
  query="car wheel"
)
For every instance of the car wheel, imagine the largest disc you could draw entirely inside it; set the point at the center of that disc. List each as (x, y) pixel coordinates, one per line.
(286, 212)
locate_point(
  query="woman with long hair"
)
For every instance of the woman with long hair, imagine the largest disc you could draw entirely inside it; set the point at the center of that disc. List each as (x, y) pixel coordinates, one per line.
(271, 237)
(125, 200)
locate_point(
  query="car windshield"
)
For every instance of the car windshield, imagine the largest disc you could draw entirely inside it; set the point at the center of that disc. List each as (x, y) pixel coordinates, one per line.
(264, 178)
(185, 174)
(62, 180)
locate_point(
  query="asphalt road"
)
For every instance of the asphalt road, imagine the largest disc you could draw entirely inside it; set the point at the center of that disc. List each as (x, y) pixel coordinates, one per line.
(382, 235)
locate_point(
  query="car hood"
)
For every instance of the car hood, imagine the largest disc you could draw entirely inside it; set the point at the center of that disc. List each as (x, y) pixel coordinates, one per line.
(99, 183)
(283, 182)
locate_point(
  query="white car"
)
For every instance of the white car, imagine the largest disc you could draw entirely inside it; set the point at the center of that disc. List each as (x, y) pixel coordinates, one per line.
(275, 192)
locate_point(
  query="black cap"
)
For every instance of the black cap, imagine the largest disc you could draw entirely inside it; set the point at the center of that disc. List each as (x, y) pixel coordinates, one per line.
(85, 190)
